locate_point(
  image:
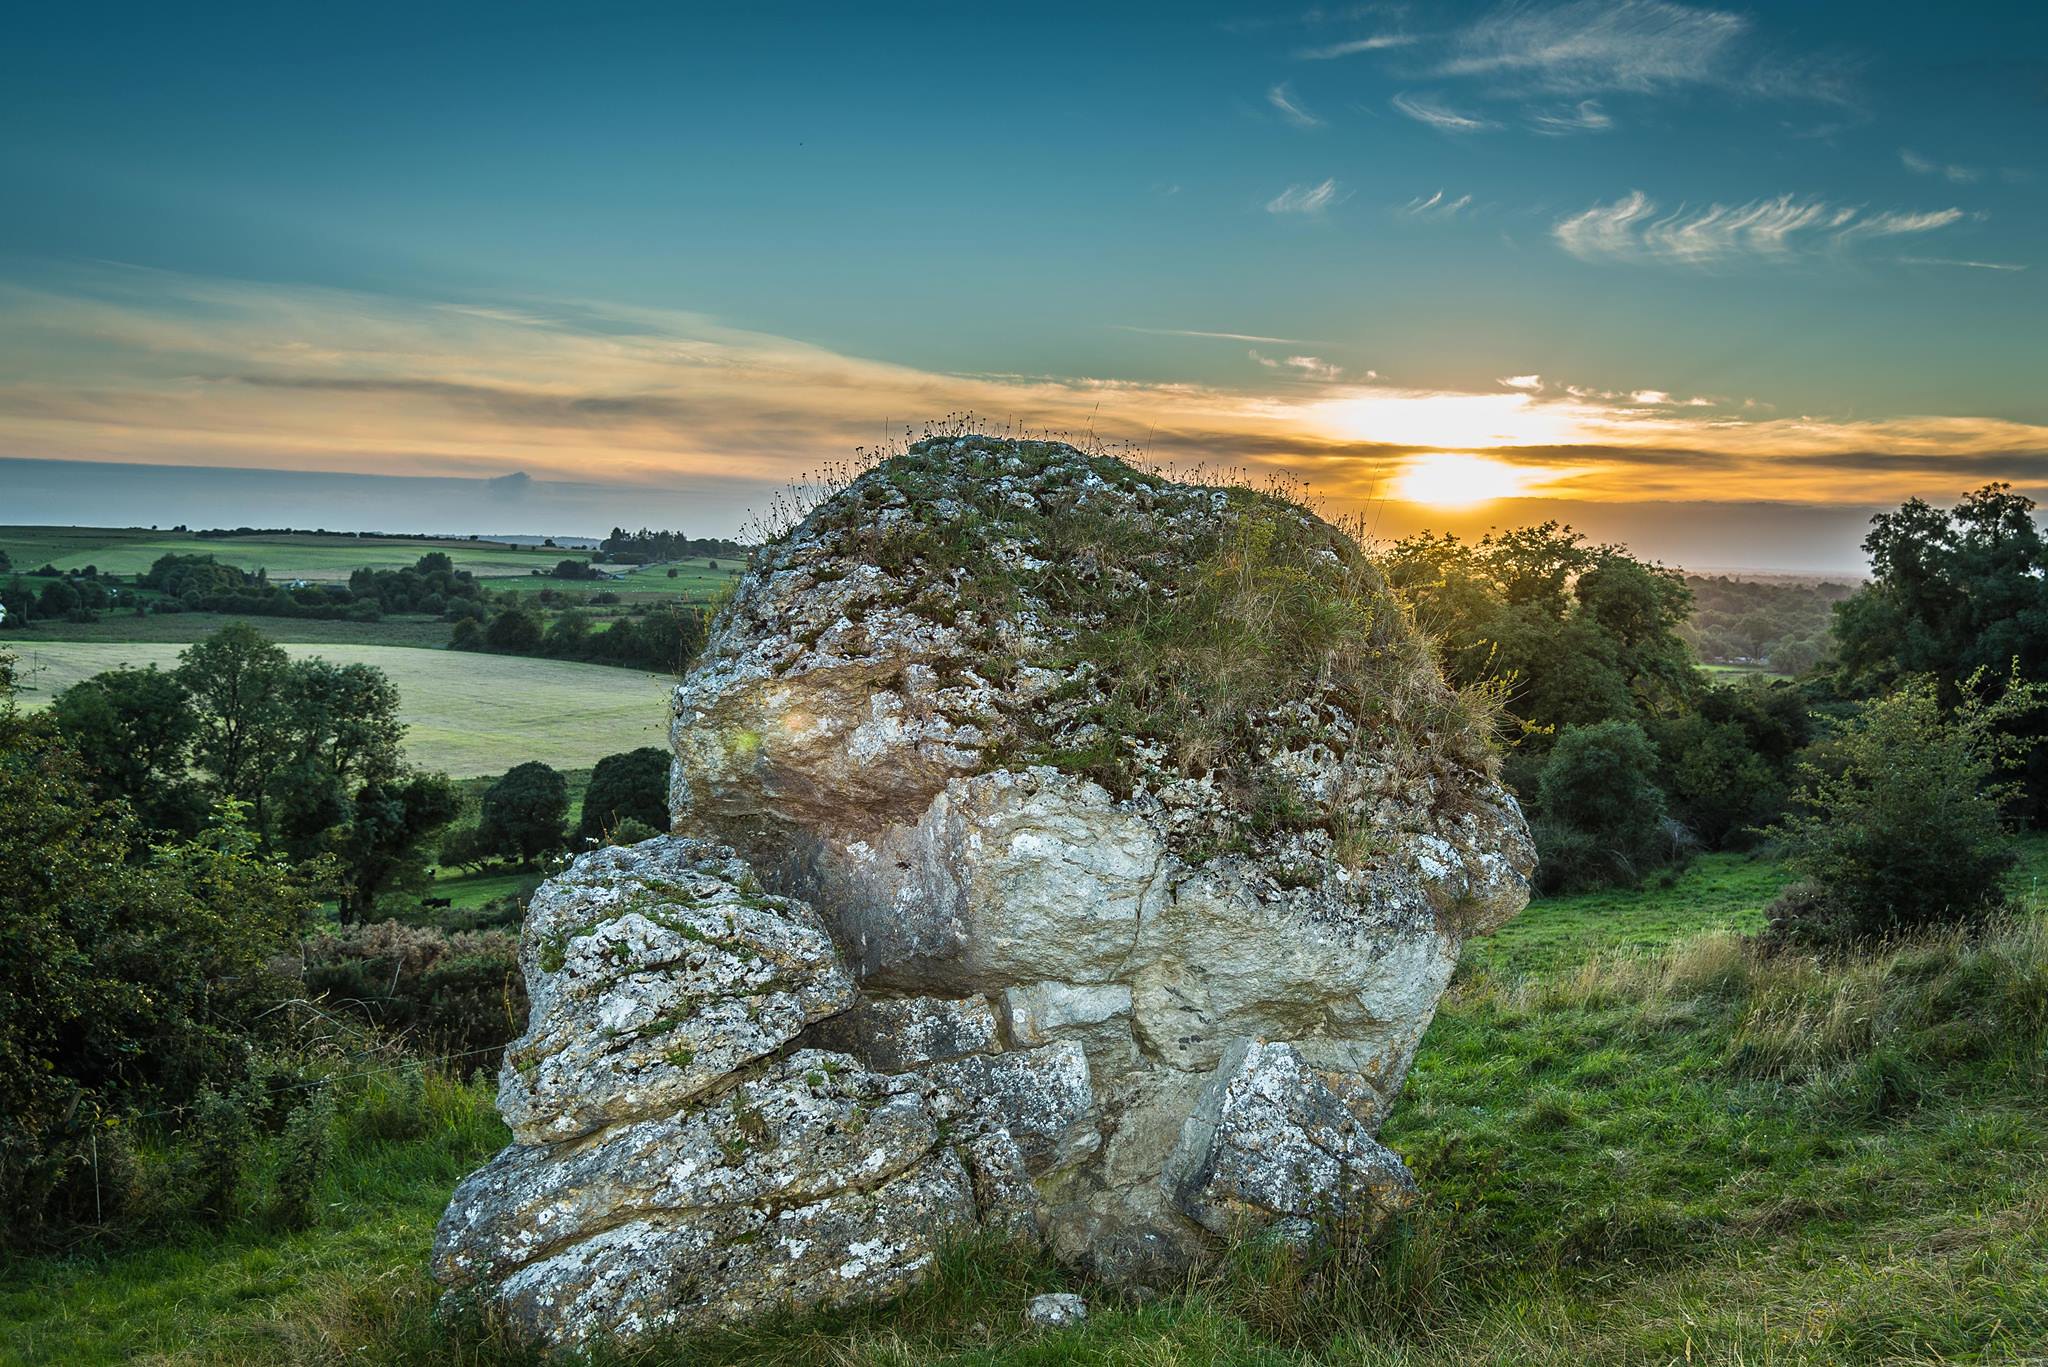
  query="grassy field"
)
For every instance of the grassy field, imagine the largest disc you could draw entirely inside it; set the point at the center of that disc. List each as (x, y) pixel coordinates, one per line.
(464, 714)
(1642, 1143)
(695, 582)
(183, 628)
(132, 550)
(128, 551)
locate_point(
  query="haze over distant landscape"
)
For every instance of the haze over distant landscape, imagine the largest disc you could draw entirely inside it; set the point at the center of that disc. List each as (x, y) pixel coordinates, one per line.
(1714, 282)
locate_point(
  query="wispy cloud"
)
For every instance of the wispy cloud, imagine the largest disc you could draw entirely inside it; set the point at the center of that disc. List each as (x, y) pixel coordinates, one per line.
(1304, 199)
(1217, 336)
(1434, 112)
(1632, 228)
(1958, 261)
(1377, 43)
(1314, 367)
(1584, 117)
(1926, 166)
(1282, 98)
(1587, 47)
(1436, 206)
(1529, 382)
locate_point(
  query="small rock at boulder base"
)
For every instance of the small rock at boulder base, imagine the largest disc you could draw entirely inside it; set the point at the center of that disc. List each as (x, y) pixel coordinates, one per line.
(1066, 854)
(1055, 1310)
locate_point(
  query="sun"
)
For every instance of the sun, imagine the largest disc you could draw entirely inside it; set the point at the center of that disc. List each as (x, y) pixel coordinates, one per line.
(1455, 480)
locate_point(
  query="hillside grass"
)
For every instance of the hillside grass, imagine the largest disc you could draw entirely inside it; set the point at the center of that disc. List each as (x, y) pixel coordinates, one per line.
(464, 714)
(1642, 1143)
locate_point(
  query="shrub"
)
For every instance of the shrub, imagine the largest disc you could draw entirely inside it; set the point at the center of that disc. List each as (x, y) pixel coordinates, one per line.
(1900, 825)
(304, 1154)
(124, 986)
(457, 995)
(1602, 815)
(632, 786)
(524, 812)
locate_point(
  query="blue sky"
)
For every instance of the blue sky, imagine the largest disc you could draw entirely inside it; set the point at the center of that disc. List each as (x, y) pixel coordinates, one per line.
(1562, 232)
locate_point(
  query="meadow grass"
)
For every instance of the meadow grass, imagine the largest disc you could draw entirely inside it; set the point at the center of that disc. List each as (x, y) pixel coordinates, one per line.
(464, 714)
(1633, 1152)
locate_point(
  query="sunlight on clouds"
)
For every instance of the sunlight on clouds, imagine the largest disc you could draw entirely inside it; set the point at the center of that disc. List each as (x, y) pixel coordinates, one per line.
(179, 370)
(1456, 480)
(1406, 418)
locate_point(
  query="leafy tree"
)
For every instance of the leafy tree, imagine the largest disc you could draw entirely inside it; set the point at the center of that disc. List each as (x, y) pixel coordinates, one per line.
(524, 813)
(1581, 633)
(236, 680)
(514, 631)
(122, 986)
(133, 731)
(1729, 766)
(1600, 807)
(58, 599)
(1952, 592)
(632, 786)
(1900, 826)
(378, 847)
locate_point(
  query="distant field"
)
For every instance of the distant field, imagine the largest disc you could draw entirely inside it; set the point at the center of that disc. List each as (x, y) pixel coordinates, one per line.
(695, 581)
(465, 714)
(127, 551)
(1730, 673)
(185, 627)
(117, 550)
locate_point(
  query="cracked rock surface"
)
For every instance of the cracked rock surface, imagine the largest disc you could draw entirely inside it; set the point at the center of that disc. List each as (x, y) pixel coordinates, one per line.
(1005, 895)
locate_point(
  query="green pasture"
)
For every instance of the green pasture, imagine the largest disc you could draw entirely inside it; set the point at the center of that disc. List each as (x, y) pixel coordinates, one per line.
(464, 713)
(131, 551)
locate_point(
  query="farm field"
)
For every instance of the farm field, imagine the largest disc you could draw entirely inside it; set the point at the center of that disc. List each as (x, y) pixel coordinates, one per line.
(465, 714)
(1618, 1167)
(696, 582)
(183, 628)
(124, 551)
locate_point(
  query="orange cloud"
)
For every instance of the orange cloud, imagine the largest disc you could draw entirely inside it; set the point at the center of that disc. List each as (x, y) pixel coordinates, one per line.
(157, 368)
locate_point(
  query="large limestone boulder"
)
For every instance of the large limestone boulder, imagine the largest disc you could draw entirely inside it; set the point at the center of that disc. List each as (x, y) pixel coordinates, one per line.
(1061, 851)
(1154, 769)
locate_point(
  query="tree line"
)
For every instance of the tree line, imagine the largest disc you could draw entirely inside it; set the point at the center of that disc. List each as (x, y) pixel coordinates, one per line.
(1628, 758)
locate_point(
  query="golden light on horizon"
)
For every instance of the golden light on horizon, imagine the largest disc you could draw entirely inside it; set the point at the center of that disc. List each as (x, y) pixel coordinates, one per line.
(1456, 480)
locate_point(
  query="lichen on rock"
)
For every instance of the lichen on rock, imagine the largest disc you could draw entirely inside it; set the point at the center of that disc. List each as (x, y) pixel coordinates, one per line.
(1112, 839)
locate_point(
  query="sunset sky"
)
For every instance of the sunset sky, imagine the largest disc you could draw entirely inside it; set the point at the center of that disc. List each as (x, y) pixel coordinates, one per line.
(1762, 268)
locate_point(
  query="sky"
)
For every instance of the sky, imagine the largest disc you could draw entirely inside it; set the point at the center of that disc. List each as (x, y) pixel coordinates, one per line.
(1719, 280)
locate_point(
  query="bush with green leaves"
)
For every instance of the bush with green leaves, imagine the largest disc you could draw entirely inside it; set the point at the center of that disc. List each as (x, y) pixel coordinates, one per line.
(1600, 813)
(632, 786)
(126, 985)
(459, 996)
(524, 813)
(1902, 822)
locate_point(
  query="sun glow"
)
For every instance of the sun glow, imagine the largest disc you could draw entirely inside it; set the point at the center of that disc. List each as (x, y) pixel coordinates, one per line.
(1455, 480)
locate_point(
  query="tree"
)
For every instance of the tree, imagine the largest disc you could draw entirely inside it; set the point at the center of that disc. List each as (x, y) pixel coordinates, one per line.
(524, 813)
(1900, 825)
(123, 985)
(58, 599)
(379, 846)
(133, 731)
(514, 631)
(631, 786)
(1953, 592)
(1600, 807)
(236, 679)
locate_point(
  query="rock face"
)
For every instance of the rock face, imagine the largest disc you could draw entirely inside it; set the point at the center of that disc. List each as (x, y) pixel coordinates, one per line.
(1090, 854)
